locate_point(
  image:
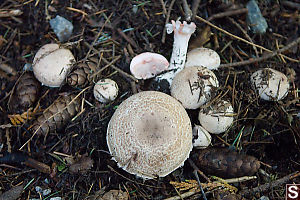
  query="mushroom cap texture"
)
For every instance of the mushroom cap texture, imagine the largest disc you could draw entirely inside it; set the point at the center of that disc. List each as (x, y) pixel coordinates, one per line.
(106, 90)
(150, 134)
(51, 64)
(270, 84)
(216, 118)
(147, 65)
(192, 86)
(205, 57)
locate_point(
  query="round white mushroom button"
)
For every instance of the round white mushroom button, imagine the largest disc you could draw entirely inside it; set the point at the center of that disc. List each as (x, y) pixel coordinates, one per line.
(270, 84)
(217, 118)
(201, 138)
(205, 57)
(51, 64)
(106, 90)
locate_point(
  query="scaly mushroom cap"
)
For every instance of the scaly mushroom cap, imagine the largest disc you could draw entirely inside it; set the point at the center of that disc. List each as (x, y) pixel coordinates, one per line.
(147, 65)
(192, 86)
(150, 134)
(205, 57)
(51, 64)
(270, 84)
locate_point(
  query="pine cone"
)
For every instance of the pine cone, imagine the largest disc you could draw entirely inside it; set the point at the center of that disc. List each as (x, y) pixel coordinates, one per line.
(57, 115)
(225, 163)
(80, 76)
(27, 90)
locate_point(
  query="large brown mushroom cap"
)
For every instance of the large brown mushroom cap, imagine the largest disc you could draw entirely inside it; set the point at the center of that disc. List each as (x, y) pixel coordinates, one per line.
(150, 134)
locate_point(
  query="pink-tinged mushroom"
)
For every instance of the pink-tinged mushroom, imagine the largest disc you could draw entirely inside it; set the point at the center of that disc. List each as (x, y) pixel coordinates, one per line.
(182, 34)
(147, 65)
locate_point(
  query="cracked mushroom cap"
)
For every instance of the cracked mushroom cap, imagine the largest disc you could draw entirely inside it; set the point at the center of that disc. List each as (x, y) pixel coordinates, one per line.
(205, 57)
(147, 65)
(193, 86)
(51, 64)
(270, 84)
(150, 134)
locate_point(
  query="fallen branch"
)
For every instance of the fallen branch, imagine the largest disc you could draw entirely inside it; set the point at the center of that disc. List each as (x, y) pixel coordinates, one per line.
(271, 185)
(265, 57)
(243, 40)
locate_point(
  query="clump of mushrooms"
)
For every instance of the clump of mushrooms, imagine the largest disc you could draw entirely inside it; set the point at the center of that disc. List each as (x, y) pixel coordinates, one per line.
(205, 57)
(270, 84)
(150, 134)
(106, 90)
(182, 34)
(193, 86)
(51, 64)
(216, 118)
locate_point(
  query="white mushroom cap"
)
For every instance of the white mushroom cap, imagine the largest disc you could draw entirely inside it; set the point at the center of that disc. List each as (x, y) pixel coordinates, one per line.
(192, 86)
(106, 90)
(202, 138)
(270, 84)
(150, 134)
(217, 118)
(147, 65)
(203, 57)
(51, 64)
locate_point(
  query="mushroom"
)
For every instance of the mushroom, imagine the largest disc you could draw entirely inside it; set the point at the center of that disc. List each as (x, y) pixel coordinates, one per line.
(106, 90)
(147, 65)
(51, 64)
(217, 118)
(202, 138)
(205, 57)
(193, 86)
(150, 134)
(270, 84)
(182, 34)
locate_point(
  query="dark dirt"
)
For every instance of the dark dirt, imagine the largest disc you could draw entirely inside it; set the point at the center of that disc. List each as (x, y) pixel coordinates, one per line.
(271, 130)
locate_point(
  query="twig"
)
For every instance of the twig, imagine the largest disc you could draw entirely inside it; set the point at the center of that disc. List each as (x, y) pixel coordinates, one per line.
(228, 13)
(241, 39)
(163, 7)
(163, 38)
(128, 39)
(273, 184)
(195, 7)
(244, 32)
(10, 13)
(187, 11)
(106, 66)
(253, 60)
(291, 4)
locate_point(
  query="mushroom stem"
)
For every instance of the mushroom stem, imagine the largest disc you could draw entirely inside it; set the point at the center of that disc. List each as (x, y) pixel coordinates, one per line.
(182, 34)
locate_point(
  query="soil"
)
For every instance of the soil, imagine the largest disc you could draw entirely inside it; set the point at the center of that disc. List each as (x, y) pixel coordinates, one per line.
(74, 162)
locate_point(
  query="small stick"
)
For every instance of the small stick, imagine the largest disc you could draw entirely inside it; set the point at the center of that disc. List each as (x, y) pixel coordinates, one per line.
(273, 184)
(187, 11)
(265, 57)
(128, 39)
(241, 39)
(10, 13)
(228, 13)
(245, 33)
(163, 7)
(195, 7)
(163, 38)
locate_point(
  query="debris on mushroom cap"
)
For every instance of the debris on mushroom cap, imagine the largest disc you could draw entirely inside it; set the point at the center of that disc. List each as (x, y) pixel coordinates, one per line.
(202, 138)
(205, 57)
(182, 34)
(51, 64)
(270, 84)
(106, 90)
(193, 86)
(150, 134)
(147, 65)
(217, 118)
